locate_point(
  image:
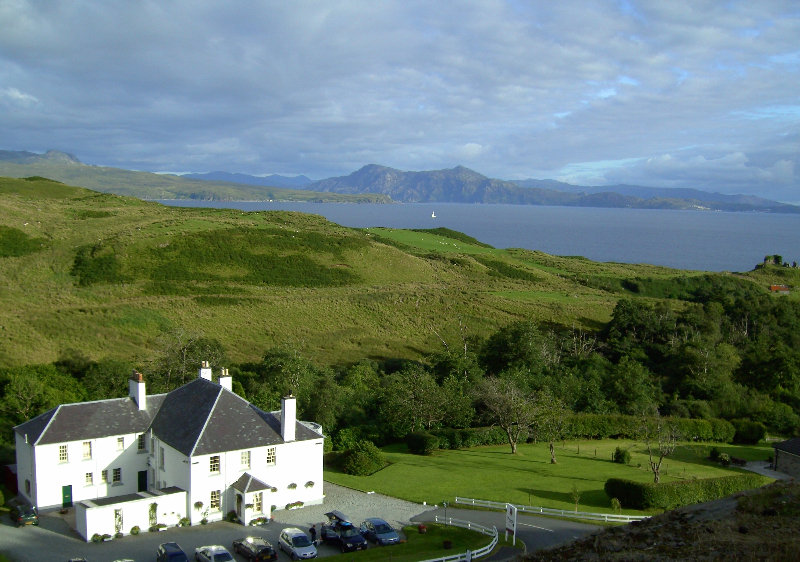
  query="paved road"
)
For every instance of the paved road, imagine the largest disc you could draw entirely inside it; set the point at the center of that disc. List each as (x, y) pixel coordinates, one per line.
(55, 540)
(535, 532)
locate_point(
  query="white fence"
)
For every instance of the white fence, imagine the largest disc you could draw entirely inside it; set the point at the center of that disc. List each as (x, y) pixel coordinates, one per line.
(468, 555)
(608, 517)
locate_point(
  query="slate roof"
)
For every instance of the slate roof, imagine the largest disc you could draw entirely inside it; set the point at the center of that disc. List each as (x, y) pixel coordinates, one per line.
(249, 483)
(791, 446)
(199, 418)
(90, 420)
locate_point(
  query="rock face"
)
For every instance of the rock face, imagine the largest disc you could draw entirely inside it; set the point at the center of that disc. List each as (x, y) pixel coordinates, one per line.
(762, 524)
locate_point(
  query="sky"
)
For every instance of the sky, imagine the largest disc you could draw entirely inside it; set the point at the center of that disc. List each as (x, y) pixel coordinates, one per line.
(700, 94)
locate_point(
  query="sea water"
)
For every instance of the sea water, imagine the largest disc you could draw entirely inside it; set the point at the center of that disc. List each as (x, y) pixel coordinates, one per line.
(699, 240)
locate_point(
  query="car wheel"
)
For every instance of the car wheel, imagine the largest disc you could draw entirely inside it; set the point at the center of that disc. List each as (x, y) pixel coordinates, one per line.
(294, 556)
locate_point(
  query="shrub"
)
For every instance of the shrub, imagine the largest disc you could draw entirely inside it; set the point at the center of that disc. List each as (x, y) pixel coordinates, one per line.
(748, 432)
(713, 455)
(622, 456)
(422, 443)
(363, 459)
(184, 522)
(97, 537)
(135, 530)
(231, 516)
(667, 495)
(294, 504)
(616, 507)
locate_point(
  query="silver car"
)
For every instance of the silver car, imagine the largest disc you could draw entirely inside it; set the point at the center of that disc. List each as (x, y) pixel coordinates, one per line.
(296, 544)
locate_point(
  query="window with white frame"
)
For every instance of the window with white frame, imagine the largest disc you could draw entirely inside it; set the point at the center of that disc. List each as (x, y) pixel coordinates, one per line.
(214, 504)
(214, 464)
(258, 502)
(87, 450)
(63, 455)
(245, 459)
(120, 443)
(104, 477)
(89, 479)
(141, 445)
(117, 476)
(271, 456)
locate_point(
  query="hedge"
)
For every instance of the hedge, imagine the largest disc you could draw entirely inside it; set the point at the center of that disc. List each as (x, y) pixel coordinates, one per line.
(668, 495)
(603, 426)
(422, 443)
(472, 437)
(748, 432)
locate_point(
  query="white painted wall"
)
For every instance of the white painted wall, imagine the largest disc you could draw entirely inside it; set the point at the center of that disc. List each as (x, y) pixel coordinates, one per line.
(51, 474)
(91, 518)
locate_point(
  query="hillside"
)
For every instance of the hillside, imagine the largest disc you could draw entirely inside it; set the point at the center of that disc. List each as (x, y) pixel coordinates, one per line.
(109, 275)
(113, 276)
(66, 168)
(760, 524)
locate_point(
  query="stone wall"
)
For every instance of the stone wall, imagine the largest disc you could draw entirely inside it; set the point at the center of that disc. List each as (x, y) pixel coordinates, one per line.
(787, 463)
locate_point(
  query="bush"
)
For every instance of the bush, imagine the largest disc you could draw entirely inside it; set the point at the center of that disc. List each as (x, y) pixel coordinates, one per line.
(135, 530)
(748, 432)
(713, 455)
(422, 443)
(724, 459)
(363, 459)
(622, 456)
(646, 495)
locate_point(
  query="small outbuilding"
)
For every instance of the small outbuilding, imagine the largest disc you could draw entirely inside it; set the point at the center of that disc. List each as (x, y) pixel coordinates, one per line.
(787, 457)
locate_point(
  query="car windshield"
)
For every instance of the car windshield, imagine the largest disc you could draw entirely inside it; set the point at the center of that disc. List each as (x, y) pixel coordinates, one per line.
(222, 557)
(301, 540)
(383, 528)
(349, 531)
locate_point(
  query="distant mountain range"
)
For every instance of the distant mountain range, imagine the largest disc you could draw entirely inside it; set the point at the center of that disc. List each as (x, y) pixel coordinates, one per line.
(462, 185)
(272, 180)
(374, 183)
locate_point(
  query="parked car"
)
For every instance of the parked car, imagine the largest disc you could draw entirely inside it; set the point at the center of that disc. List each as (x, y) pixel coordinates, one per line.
(171, 552)
(255, 548)
(24, 514)
(212, 553)
(341, 532)
(296, 544)
(379, 531)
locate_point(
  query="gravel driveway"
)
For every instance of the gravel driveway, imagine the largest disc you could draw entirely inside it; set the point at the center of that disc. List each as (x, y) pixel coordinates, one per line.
(55, 540)
(356, 505)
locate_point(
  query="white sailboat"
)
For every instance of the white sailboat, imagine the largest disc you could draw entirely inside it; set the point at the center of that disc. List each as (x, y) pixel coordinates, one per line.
(433, 215)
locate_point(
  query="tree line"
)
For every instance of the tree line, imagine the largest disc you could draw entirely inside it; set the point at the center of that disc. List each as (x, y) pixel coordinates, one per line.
(724, 354)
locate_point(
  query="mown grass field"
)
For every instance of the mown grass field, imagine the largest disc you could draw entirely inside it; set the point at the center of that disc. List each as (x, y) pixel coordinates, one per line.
(109, 276)
(493, 473)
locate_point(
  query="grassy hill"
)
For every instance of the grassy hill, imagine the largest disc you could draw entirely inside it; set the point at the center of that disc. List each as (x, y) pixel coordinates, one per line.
(110, 276)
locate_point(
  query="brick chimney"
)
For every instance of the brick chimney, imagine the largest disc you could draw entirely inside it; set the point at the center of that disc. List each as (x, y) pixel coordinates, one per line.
(225, 380)
(136, 389)
(205, 371)
(288, 417)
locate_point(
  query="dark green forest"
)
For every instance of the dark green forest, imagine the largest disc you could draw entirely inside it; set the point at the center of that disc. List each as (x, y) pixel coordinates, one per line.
(725, 350)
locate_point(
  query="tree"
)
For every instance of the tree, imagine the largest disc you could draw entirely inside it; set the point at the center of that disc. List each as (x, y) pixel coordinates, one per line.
(550, 420)
(660, 437)
(411, 400)
(508, 405)
(179, 357)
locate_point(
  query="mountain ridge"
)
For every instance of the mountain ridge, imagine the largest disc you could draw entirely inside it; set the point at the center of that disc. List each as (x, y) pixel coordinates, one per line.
(375, 183)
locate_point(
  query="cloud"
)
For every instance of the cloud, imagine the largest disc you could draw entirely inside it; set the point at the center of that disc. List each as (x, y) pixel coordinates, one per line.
(511, 88)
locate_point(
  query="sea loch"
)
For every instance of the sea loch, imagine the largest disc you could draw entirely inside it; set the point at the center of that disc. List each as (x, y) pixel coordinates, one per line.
(681, 239)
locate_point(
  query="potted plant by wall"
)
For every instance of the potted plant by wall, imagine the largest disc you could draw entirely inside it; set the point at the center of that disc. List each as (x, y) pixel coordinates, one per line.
(135, 530)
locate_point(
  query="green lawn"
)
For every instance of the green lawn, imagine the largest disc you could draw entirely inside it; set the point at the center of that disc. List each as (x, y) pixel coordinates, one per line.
(428, 545)
(493, 473)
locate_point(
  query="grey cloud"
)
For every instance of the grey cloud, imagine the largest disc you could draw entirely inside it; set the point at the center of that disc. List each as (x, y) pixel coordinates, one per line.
(512, 88)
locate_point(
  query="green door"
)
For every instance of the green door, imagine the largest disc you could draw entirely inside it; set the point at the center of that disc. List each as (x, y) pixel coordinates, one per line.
(66, 496)
(142, 481)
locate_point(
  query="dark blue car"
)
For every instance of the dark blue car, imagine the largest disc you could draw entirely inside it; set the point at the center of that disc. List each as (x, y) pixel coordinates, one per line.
(342, 533)
(379, 531)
